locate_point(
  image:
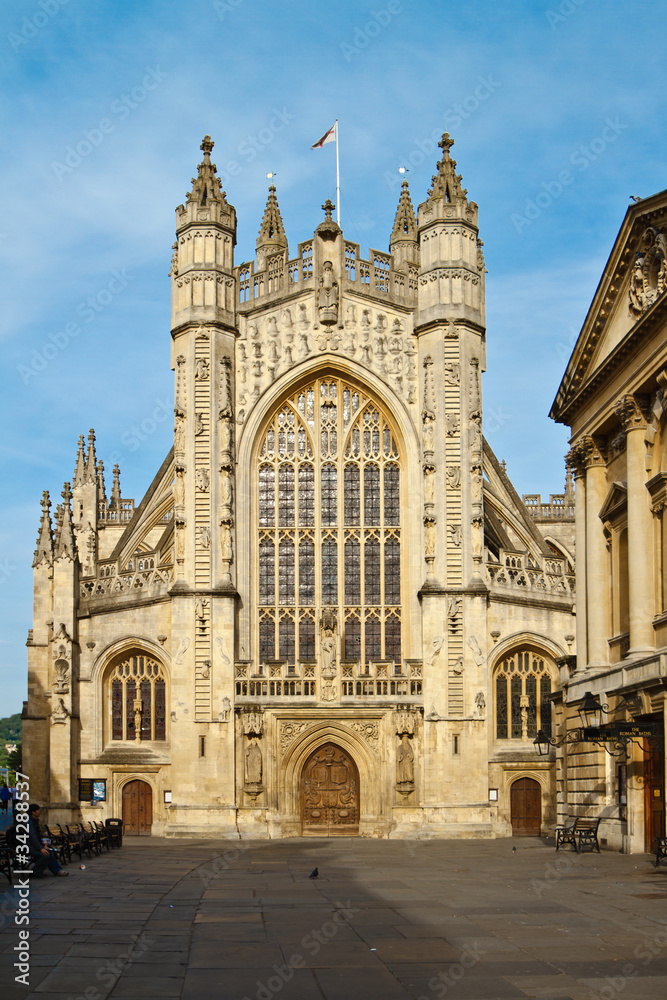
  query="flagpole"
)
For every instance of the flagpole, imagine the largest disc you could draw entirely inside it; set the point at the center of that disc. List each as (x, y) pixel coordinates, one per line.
(337, 179)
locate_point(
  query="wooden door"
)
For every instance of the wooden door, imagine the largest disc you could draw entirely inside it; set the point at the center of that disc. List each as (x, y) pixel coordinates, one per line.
(526, 808)
(654, 795)
(137, 808)
(330, 794)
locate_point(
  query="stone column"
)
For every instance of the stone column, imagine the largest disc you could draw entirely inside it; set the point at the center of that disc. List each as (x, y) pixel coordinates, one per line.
(597, 560)
(631, 411)
(575, 461)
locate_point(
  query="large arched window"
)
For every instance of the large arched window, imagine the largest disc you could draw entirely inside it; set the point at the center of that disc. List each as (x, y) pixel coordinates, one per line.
(523, 683)
(137, 695)
(328, 485)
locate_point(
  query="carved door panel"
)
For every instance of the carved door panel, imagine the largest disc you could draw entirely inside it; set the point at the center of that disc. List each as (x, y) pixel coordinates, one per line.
(526, 807)
(330, 794)
(137, 808)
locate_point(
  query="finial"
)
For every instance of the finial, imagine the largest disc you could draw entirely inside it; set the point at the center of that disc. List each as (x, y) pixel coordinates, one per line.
(66, 493)
(207, 145)
(46, 502)
(328, 207)
(115, 489)
(446, 143)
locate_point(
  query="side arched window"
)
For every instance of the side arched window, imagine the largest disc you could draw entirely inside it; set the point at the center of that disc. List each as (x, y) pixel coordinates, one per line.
(136, 690)
(523, 682)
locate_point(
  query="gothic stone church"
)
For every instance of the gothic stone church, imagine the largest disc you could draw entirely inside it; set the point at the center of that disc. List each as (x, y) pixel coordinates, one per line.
(331, 613)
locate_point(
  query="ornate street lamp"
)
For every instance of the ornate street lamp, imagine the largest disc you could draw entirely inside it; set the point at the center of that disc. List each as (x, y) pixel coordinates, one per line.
(590, 711)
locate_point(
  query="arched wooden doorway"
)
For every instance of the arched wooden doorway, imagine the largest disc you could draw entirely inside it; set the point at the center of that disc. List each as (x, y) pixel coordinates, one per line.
(526, 808)
(137, 808)
(330, 794)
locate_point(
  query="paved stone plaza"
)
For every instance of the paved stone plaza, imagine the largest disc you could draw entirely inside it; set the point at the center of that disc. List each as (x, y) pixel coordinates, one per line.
(466, 920)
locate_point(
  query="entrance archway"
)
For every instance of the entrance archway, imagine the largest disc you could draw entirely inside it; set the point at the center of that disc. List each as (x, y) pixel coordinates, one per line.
(137, 808)
(526, 808)
(329, 794)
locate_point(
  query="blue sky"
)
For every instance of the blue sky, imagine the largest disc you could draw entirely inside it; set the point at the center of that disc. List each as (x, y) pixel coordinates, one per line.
(532, 92)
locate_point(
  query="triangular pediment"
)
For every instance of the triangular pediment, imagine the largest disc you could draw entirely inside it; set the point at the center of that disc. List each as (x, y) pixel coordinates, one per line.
(633, 288)
(615, 503)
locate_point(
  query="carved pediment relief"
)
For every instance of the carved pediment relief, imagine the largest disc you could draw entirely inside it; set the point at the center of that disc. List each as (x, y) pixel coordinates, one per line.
(649, 273)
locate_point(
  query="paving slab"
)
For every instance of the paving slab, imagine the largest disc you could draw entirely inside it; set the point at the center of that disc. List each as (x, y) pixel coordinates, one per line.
(469, 920)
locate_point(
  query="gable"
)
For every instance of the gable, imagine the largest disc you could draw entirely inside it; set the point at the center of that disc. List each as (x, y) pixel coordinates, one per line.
(631, 290)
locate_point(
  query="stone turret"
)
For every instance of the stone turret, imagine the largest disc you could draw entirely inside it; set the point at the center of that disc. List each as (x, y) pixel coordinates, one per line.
(451, 277)
(202, 266)
(403, 243)
(271, 241)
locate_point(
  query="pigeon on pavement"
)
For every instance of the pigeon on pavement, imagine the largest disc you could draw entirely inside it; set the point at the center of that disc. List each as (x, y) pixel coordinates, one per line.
(314, 873)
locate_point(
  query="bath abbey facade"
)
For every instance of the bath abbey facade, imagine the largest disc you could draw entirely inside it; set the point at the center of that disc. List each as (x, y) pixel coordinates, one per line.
(331, 613)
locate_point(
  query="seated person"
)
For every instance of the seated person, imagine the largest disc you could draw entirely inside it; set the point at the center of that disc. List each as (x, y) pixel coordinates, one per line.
(41, 856)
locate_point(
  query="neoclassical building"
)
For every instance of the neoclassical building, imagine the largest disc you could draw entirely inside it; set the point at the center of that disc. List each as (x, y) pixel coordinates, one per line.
(331, 613)
(613, 397)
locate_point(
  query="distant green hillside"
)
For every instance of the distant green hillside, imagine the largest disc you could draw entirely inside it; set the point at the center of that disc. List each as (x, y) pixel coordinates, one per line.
(10, 732)
(10, 729)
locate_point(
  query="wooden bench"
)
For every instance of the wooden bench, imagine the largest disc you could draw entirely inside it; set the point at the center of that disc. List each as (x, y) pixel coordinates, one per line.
(660, 850)
(582, 835)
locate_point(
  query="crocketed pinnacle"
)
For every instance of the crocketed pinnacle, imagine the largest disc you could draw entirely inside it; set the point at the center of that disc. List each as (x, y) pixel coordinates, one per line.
(91, 460)
(101, 488)
(405, 223)
(44, 550)
(206, 185)
(115, 489)
(64, 544)
(272, 232)
(447, 183)
(80, 469)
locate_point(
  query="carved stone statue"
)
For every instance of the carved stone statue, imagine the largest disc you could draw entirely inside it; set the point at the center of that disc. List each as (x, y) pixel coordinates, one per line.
(429, 430)
(405, 766)
(253, 763)
(179, 431)
(227, 543)
(328, 654)
(327, 295)
(179, 488)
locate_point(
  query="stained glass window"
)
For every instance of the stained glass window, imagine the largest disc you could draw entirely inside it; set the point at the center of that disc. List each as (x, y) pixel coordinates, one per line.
(285, 495)
(137, 680)
(306, 495)
(529, 678)
(267, 572)
(329, 461)
(352, 572)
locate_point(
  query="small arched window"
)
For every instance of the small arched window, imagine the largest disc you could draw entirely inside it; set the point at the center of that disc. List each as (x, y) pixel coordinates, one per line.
(523, 683)
(137, 695)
